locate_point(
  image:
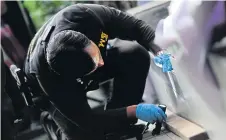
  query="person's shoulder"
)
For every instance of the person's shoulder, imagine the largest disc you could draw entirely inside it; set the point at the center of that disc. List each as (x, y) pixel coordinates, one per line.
(73, 7)
(71, 12)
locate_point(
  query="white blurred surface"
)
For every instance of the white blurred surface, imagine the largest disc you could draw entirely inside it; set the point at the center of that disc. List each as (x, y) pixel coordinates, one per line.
(184, 34)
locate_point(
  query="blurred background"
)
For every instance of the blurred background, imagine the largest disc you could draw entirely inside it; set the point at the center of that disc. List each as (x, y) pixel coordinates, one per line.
(192, 31)
(40, 11)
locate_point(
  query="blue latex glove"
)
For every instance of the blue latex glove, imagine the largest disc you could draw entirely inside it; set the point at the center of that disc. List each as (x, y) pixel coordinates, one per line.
(150, 113)
(163, 60)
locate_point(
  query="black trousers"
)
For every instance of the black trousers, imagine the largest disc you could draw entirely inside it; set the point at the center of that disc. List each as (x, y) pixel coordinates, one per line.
(128, 63)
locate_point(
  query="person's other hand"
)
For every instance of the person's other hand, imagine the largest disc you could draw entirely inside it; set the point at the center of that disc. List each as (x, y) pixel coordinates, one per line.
(150, 113)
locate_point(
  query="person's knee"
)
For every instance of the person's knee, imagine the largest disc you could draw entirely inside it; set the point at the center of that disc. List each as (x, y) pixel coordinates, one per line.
(141, 57)
(133, 56)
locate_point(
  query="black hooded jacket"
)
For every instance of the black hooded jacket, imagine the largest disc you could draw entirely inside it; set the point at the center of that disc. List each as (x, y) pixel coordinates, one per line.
(99, 24)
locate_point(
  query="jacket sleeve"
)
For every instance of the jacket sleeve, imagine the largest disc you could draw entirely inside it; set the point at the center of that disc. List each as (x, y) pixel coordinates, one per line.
(127, 27)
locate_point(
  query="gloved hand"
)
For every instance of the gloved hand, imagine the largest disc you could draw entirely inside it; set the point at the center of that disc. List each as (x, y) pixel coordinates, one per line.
(163, 60)
(150, 113)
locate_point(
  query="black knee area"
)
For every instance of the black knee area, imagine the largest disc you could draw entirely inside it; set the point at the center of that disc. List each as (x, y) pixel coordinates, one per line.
(140, 57)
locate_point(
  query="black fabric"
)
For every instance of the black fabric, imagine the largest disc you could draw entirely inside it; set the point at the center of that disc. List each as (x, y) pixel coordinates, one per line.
(127, 62)
(114, 23)
(74, 116)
